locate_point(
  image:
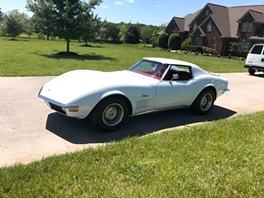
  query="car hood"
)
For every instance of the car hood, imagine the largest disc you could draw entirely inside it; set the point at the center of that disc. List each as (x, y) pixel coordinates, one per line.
(78, 83)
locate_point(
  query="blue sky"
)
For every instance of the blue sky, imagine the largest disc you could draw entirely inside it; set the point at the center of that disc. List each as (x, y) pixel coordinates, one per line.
(150, 12)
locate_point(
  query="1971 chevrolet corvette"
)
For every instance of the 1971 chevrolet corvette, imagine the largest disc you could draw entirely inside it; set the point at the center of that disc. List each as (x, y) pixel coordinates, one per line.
(152, 84)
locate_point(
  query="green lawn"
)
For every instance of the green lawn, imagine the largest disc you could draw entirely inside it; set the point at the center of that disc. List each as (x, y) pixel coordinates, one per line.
(218, 159)
(32, 57)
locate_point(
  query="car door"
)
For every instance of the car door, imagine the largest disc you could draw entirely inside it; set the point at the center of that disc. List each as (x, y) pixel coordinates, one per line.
(175, 93)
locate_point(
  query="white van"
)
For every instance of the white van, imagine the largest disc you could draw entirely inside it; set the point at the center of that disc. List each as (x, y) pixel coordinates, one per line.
(255, 59)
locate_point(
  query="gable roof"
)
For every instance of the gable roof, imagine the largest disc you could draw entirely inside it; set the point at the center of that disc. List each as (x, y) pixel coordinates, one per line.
(235, 13)
(188, 18)
(219, 16)
(258, 16)
(179, 23)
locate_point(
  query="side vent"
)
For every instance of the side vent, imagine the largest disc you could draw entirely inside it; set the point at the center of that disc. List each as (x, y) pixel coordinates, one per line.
(144, 104)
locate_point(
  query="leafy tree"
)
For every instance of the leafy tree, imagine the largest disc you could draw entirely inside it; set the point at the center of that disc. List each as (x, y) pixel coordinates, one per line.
(43, 16)
(14, 23)
(111, 32)
(132, 35)
(122, 31)
(90, 27)
(1, 15)
(146, 33)
(174, 41)
(28, 26)
(163, 40)
(64, 17)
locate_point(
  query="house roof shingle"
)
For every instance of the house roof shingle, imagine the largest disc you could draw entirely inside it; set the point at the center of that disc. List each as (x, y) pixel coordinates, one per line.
(237, 12)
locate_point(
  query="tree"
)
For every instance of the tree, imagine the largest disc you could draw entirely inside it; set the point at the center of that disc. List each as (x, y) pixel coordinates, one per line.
(43, 16)
(90, 28)
(14, 23)
(65, 17)
(111, 32)
(122, 31)
(1, 15)
(132, 35)
(28, 26)
(146, 34)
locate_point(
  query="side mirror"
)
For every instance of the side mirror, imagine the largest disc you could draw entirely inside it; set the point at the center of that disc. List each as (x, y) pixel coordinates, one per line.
(175, 77)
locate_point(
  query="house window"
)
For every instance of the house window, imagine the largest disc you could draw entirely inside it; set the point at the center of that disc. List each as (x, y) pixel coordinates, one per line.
(213, 43)
(247, 27)
(243, 46)
(207, 12)
(195, 26)
(197, 41)
(209, 26)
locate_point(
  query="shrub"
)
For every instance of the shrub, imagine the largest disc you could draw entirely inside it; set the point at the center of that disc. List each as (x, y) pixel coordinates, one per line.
(174, 41)
(41, 36)
(154, 45)
(193, 48)
(185, 43)
(244, 53)
(163, 41)
(209, 50)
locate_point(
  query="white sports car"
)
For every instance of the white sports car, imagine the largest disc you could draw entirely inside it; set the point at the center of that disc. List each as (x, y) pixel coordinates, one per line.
(152, 84)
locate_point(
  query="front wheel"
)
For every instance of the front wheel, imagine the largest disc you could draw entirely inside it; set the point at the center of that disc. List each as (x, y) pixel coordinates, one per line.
(251, 71)
(204, 102)
(110, 113)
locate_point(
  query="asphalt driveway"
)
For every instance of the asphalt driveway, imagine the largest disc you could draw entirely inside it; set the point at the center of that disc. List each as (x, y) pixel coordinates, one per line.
(29, 130)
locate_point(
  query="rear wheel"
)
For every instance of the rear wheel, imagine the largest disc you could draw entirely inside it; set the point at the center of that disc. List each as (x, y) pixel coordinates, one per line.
(110, 113)
(204, 102)
(251, 71)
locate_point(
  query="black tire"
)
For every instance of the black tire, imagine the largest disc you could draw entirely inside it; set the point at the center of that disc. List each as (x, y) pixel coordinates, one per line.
(251, 71)
(110, 113)
(204, 102)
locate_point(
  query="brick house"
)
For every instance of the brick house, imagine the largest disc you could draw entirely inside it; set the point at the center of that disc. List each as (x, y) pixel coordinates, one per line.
(216, 26)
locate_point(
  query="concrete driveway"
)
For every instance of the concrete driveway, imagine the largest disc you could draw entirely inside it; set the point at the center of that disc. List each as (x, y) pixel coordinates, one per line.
(29, 130)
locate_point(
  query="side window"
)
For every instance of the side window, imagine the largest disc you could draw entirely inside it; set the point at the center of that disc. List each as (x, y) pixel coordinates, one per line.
(184, 72)
(257, 49)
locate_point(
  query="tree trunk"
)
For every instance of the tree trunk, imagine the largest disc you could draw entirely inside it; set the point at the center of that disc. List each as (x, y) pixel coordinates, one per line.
(68, 46)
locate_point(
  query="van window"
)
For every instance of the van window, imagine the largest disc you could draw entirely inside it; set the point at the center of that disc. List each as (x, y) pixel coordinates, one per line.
(257, 49)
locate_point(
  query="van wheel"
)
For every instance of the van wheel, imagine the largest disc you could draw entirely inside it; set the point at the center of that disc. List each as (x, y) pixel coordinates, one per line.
(251, 71)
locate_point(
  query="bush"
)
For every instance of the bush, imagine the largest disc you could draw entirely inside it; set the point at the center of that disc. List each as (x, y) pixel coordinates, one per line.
(209, 50)
(41, 36)
(193, 48)
(244, 53)
(174, 41)
(155, 44)
(163, 41)
(185, 43)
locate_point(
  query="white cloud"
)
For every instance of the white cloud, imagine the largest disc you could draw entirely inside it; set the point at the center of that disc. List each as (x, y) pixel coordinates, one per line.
(119, 3)
(158, 6)
(105, 6)
(131, 1)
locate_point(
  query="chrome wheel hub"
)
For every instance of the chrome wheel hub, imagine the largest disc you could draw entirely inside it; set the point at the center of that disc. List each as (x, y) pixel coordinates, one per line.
(113, 114)
(206, 102)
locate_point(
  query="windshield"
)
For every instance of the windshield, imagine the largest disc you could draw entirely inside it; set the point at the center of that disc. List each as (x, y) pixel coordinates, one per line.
(149, 68)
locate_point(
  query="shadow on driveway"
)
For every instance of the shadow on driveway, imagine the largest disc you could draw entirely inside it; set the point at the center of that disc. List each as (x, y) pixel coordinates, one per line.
(83, 132)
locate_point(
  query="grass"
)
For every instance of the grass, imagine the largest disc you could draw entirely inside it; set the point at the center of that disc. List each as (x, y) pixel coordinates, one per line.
(32, 57)
(218, 159)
